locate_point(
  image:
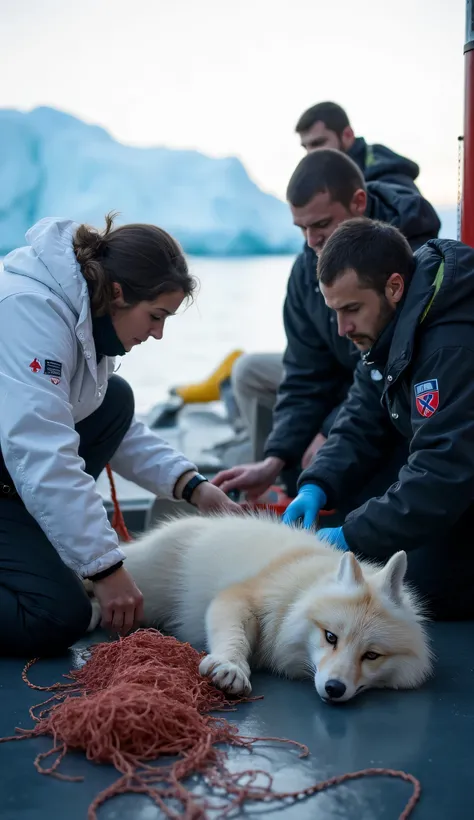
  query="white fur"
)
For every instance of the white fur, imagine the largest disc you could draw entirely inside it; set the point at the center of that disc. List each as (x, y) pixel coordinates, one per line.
(257, 593)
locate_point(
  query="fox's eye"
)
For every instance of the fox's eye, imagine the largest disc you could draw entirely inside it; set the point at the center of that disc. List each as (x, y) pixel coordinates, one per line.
(331, 638)
(371, 656)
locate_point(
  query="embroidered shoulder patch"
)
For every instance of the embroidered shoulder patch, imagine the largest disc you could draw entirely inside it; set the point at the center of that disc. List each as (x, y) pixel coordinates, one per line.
(427, 397)
(35, 366)
(52, 368)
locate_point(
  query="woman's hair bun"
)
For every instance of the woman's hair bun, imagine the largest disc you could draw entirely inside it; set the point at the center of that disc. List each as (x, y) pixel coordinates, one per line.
(89, 247)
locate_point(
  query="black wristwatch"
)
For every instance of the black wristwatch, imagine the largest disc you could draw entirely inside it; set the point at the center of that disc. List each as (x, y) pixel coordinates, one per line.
(191, 486)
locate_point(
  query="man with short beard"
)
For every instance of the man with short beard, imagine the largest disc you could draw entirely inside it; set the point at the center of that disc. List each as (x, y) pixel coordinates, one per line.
(411, 316)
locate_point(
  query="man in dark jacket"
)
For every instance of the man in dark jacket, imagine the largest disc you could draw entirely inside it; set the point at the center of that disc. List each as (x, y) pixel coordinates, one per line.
(326, 125)
(412, 316)
(325, 189)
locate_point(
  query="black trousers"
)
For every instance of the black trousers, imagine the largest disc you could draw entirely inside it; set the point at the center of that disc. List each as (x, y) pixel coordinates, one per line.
(44, 608)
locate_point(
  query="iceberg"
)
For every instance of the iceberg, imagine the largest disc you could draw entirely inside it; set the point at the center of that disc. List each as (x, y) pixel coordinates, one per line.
(54, 164)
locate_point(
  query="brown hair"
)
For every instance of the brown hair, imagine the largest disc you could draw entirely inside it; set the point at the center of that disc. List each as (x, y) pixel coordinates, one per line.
(372, 248)
(143, 259)
(331, 114)
(325, 170)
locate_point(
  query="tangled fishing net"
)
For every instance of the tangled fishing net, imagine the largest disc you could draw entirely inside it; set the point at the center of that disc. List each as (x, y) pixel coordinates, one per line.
(141, 698)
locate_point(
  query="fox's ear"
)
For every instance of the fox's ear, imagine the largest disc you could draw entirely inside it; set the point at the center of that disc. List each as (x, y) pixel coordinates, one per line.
(349, 572)
(392, 576)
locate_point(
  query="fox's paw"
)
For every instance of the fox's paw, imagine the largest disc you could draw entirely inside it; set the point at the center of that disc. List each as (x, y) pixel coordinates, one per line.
(225, 675)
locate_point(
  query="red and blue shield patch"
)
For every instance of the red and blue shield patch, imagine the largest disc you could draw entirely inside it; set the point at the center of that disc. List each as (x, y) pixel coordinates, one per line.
(427, 397)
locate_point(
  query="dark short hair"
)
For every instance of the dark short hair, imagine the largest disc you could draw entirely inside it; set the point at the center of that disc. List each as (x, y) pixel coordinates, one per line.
(143, 259)
(324, 170)
(373, 249)
(331, 114)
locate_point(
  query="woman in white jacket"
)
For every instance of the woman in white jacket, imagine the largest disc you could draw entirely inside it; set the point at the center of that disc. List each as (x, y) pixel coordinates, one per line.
(70, 301)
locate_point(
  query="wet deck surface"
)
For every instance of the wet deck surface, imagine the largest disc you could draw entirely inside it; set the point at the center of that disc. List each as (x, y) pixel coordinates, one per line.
(429, 733)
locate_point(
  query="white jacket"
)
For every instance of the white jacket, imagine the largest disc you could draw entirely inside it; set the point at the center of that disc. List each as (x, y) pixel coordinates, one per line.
(50, 380)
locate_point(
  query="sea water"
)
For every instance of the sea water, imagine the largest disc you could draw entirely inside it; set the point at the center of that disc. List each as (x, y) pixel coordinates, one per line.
(239, 305)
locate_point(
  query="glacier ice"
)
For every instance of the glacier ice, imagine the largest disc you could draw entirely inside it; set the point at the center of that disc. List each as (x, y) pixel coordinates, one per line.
(53, 164)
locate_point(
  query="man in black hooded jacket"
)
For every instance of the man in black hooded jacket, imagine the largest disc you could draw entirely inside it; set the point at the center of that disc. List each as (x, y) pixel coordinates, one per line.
(412, 316)
(325, 189)
(326, 125)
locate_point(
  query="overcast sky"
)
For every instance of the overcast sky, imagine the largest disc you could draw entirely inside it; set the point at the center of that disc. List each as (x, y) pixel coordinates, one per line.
(232, 78)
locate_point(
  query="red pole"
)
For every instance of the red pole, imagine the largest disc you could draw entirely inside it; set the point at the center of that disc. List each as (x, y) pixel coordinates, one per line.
(467, 211)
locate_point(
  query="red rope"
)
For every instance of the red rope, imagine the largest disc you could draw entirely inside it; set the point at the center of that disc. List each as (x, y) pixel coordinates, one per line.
(118, 522)
(141, 698)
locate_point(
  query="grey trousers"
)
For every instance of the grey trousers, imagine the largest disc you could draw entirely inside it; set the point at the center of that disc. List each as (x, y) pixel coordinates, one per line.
(255, 380)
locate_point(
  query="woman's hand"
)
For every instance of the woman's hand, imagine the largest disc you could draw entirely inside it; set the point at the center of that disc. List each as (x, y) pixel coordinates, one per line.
(209, 498)
(206, 497)
(121, 602)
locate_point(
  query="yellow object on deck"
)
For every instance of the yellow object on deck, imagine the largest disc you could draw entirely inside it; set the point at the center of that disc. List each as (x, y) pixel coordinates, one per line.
(209, 389)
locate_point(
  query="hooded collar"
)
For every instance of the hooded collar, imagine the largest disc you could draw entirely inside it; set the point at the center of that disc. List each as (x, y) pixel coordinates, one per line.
(52, 242)
(50, 259)
(357, 152)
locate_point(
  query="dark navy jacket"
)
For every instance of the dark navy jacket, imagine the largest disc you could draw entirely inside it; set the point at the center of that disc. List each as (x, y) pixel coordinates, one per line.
(377, 162)
(318, 363)
(426, 356)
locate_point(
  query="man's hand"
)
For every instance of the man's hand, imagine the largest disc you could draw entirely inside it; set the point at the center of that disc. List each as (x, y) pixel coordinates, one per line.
(254, 479)
(313, 448)
(334, 536)
(306, 505)
(121, 602)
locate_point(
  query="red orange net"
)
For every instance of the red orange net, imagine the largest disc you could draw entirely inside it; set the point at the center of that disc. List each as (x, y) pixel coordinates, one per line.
(141, 698)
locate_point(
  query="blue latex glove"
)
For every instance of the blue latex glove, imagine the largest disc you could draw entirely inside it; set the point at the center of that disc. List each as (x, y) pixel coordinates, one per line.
(334, 536)
(306, 505)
